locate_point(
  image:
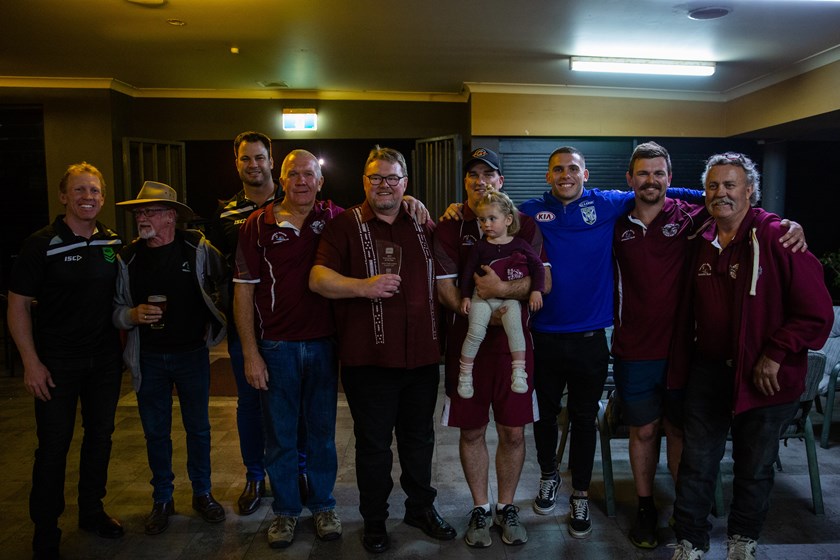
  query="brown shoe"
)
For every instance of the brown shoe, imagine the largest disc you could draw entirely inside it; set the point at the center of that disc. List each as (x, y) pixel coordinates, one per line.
(252, 495)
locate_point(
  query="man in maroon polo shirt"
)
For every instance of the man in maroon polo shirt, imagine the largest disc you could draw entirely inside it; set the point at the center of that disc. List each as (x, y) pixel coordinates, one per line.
(511, 411)
(288, 344)
(376, 263)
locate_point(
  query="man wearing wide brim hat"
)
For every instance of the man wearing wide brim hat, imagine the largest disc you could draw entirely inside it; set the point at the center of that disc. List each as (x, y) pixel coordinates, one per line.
(168, 346)
(153, 192)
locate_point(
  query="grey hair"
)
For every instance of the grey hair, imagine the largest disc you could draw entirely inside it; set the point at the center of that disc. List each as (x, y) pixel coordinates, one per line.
(740, 160)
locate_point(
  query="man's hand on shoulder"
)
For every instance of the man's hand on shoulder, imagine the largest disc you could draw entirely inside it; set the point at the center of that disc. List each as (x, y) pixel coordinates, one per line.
(794, 239)
(454, 211)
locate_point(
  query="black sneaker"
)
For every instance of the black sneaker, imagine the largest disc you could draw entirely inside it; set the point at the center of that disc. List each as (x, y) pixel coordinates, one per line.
(643, 533)
(547, 495)
(579, 523)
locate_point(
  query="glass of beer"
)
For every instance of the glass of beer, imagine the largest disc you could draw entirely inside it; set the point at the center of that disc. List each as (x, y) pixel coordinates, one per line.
(158, 301)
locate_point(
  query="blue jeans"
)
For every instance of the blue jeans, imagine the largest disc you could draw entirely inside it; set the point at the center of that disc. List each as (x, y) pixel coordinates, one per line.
(578, 361)
(302, 384)
(95, 382)
(189, 373)
(755, 445)
(249, 422)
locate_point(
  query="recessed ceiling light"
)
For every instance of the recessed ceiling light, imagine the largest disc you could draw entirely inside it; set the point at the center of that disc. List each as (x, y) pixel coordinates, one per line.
(176, 22)
(710, 12)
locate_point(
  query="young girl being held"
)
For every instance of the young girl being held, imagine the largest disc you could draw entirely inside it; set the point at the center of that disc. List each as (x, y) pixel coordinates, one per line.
(511, 258)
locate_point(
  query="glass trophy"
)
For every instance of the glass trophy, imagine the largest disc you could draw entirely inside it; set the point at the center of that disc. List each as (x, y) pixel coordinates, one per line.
(389, 257)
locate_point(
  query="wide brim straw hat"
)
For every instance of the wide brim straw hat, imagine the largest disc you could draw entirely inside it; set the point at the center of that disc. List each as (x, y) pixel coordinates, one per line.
(153, 192)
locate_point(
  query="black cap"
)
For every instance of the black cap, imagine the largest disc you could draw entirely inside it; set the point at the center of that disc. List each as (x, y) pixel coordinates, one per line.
(484, 155)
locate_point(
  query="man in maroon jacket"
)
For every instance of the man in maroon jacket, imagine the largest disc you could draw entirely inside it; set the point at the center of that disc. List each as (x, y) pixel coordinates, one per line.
(756, 310)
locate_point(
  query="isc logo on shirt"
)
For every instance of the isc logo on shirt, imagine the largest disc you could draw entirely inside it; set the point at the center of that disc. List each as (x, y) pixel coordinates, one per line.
(72, 258)
(545, 217)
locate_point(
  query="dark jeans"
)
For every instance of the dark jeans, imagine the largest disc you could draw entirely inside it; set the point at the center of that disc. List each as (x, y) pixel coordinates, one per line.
(755, 445)
(249, 423)
(386, 400)
(95, 382)
(302, 388)
(189, 373)
(579, 363)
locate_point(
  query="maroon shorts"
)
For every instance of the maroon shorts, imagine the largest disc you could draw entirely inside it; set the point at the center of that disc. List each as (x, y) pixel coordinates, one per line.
(491, 382)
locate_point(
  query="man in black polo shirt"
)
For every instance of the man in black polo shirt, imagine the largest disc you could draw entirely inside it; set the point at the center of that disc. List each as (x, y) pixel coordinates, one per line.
(254, 164)
(70, 352)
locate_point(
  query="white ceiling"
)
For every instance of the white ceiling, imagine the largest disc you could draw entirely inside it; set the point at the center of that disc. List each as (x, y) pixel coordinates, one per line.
(359, 48)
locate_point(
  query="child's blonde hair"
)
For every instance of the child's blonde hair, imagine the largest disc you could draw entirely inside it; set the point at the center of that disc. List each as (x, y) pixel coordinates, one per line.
(506, 206)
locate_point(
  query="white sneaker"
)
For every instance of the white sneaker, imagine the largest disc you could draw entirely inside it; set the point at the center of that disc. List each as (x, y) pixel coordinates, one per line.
(465, 385)
(519, 381)
(684, 550)
(740, 548)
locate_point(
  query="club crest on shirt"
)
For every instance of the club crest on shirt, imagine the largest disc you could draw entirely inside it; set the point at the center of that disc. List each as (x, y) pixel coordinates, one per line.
(468, 240)
(628, 235)
(109, 254)
(705, 270)
(279, 237)
(670, 230)
(589, 215)
(545, 217)
(318, 226)
(733, 271)
(185, 266)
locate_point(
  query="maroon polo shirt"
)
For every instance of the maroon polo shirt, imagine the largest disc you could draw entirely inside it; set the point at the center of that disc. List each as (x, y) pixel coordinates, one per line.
(277, 259)
(649, 279)
(714, 294)
(396, 332)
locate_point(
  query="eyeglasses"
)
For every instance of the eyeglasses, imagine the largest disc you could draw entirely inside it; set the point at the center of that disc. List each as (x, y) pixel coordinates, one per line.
(148, 212)
(735, 156)
(392, 180)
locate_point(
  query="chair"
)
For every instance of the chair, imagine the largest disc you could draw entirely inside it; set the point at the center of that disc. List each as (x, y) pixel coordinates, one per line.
(828, 408)
(801, 428)
(828, 385)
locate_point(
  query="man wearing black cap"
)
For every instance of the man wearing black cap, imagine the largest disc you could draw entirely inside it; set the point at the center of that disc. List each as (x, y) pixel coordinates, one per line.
(168, 342)
(453, 242)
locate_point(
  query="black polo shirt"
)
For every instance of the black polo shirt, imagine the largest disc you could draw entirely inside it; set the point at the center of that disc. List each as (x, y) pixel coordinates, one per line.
(73, 279)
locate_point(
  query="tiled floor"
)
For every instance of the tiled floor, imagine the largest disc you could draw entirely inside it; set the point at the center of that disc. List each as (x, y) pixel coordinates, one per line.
(792, 531)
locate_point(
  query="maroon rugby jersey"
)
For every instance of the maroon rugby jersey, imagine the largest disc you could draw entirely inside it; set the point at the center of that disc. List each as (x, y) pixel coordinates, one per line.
(278, 260)
(649, 276)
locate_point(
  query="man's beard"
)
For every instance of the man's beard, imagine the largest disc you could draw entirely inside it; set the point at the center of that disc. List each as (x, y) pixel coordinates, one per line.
(147, 232)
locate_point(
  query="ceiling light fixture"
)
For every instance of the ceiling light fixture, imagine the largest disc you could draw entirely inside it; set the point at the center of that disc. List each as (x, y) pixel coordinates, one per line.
(642, 66)
(710, 12)
(176, 22)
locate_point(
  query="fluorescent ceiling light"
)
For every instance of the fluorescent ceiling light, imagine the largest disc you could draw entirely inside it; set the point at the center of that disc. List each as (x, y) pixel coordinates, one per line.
(642, 66)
